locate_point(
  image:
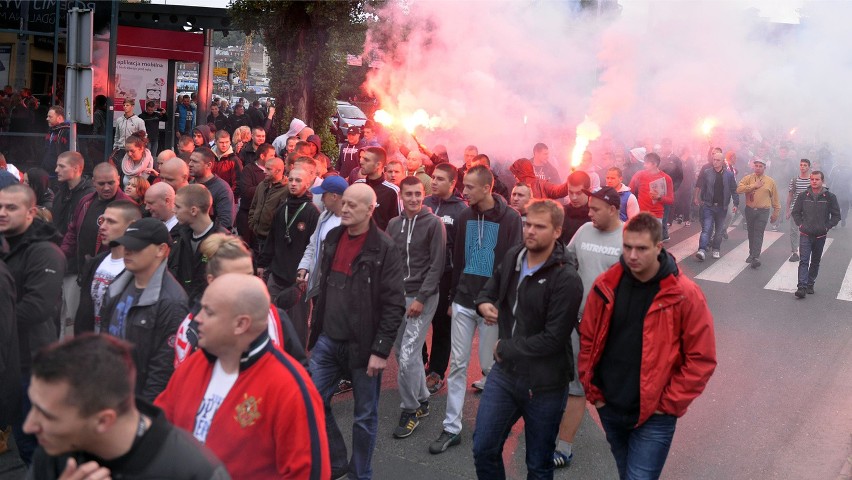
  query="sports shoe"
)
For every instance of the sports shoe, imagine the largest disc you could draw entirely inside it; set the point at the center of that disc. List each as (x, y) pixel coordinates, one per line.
(755, 263)
(560, 460)
(679, 219)
(810, 289)
(800, 293)
(444, 441)
(479, 385)
(725, 235)
(666, 238)
(343, 386)
(716, 254)
(687, 223)
(422, 410)
(407, 423)
(700, 255)
(434, 383)
(341, 475)
(794, 257)
(749, 259)
(774, 227)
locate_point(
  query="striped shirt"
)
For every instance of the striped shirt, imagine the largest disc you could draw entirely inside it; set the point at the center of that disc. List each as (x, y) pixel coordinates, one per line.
(798, 185)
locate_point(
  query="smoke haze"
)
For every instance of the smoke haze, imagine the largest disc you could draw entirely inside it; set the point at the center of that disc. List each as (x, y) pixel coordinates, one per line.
(505, 75)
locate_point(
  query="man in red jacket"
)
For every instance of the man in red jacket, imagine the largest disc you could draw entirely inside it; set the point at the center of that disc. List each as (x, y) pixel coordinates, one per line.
(646, 352)
(250, 403)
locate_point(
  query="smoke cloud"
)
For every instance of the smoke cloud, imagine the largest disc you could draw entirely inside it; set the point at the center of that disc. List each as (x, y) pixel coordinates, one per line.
(505, 75)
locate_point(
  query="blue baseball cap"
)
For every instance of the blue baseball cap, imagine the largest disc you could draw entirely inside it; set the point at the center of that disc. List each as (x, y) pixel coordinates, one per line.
(331, 184)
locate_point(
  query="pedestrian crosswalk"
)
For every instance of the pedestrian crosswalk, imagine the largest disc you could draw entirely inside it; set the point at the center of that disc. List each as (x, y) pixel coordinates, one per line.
(774, 258)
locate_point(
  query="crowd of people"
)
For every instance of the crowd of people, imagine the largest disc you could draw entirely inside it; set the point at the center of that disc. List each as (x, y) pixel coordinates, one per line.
(175, 306)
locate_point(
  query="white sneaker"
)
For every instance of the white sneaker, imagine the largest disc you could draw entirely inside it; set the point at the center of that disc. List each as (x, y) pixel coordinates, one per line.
(700, 255)
(479, 384)
(716, 254)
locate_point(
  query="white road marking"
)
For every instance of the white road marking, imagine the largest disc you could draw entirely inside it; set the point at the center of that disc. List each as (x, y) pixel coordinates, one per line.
(733, 263)
(688, 247)
(845, 292)
(786, 279)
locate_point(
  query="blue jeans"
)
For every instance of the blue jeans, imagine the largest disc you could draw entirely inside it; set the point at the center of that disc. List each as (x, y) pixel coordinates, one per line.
(712, 220)
(667, 212)
(640, 452)
(329, 360)
(810, 253)
(506, 399)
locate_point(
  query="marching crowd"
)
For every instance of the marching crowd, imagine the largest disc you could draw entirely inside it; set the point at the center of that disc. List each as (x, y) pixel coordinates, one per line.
(223, 293)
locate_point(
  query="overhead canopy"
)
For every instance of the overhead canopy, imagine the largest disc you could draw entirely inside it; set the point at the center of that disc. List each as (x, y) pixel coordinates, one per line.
(173, 17)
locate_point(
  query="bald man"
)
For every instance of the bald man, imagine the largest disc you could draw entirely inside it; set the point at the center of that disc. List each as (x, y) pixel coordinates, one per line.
(357, 315)
(241, 391)
(175, 172)
(164, 156)
(160, 203)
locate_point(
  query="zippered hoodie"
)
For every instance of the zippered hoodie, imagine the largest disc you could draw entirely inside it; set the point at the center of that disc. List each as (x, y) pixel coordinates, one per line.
(448, 211)
(816, 213)
(536, 316)
(421, 241)
(483, 239)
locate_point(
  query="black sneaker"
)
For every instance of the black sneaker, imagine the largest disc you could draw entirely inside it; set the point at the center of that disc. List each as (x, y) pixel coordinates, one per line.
(755, 263)
(340, 475)
(800, 293)
(422, 410)
(445, 441)
(794, 257)
(343, 386)
(810, 289)
(749, 259)
(407, 423)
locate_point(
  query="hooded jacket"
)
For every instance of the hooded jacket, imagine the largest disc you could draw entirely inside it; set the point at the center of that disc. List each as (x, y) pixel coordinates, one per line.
(349, 159)
(55, 142)
(10, 358)
(377, 296)
(66, 201)
(265, 203)
(236, 121)
(70, 247)
(575, 217)
(190, 267)
(816, 213)
(421, 241)
(536, 316)
(678, 351)
(292, 226)
(228, 167)
(184, 112)
(448, 211)
(151, 326)
(387, 200)
(524, 171)
(482, 240)
(250, 177)
(280, 142)
(320, 157)
(37, 266)
(206, 134)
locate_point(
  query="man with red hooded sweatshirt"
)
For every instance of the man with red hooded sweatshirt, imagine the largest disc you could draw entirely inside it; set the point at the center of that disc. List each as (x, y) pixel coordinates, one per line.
(524, 171)
(647, 349)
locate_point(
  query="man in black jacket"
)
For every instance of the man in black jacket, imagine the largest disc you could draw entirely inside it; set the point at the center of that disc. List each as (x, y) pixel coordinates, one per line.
(37, 266)
(254, 172)
(360, 306)
(73, 186)
(90, 426)
(533, 297)
(373, 160)
(294, 222)
(145, 304)
(816, 212)
(10, 360)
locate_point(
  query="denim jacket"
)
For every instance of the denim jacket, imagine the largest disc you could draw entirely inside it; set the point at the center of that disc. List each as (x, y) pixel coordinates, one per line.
(707, 182)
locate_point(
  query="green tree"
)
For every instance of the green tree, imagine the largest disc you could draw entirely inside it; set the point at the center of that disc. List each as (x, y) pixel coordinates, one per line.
(307, 43)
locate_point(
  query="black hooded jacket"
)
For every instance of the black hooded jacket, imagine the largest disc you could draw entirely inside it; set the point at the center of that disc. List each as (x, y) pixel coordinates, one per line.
(536, 316)
(66, 200)
(448, 211)
(10, 359)
(38, 266)
(292, 226)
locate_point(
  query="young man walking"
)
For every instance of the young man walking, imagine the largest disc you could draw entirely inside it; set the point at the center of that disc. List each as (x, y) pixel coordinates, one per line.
(761, 195)
(815, 213)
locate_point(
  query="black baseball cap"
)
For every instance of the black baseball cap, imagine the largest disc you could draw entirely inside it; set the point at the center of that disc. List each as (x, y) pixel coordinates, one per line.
(607, 194)
(143, 232)
(353, 130)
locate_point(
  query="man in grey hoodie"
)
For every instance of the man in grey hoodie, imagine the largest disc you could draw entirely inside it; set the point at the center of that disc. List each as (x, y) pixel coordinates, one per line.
(420, 236)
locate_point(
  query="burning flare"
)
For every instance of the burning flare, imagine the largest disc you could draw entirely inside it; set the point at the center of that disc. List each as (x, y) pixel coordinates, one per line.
(708, 125)
(792, 131)
(383, 117)
(420, 119)
(586, 132)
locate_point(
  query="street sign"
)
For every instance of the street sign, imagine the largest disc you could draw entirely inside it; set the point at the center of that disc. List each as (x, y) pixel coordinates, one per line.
(220, 72)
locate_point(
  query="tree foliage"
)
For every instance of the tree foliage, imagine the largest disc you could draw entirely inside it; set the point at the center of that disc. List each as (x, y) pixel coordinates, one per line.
(307, 43)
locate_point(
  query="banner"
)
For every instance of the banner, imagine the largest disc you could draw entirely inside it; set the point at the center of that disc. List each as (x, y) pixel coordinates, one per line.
(140, 79)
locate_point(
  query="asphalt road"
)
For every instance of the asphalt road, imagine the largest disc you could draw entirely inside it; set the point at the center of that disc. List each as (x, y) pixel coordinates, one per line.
(778, 405)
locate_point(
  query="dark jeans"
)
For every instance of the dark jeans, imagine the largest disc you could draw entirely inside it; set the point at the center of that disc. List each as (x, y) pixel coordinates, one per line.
(329, 360)
(26, 443)
(756, 219)
(810, 253)
(712, 220)
(640, 452)
(506, 399)
(667, 213)
(301, 309)
(441, 328)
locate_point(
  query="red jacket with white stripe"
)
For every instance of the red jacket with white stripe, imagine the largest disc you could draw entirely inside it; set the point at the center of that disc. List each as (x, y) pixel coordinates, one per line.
(678, 343)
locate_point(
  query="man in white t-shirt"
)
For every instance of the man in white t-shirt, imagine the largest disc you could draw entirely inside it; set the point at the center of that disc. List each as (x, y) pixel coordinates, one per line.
(99, 271)
(596, 246)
